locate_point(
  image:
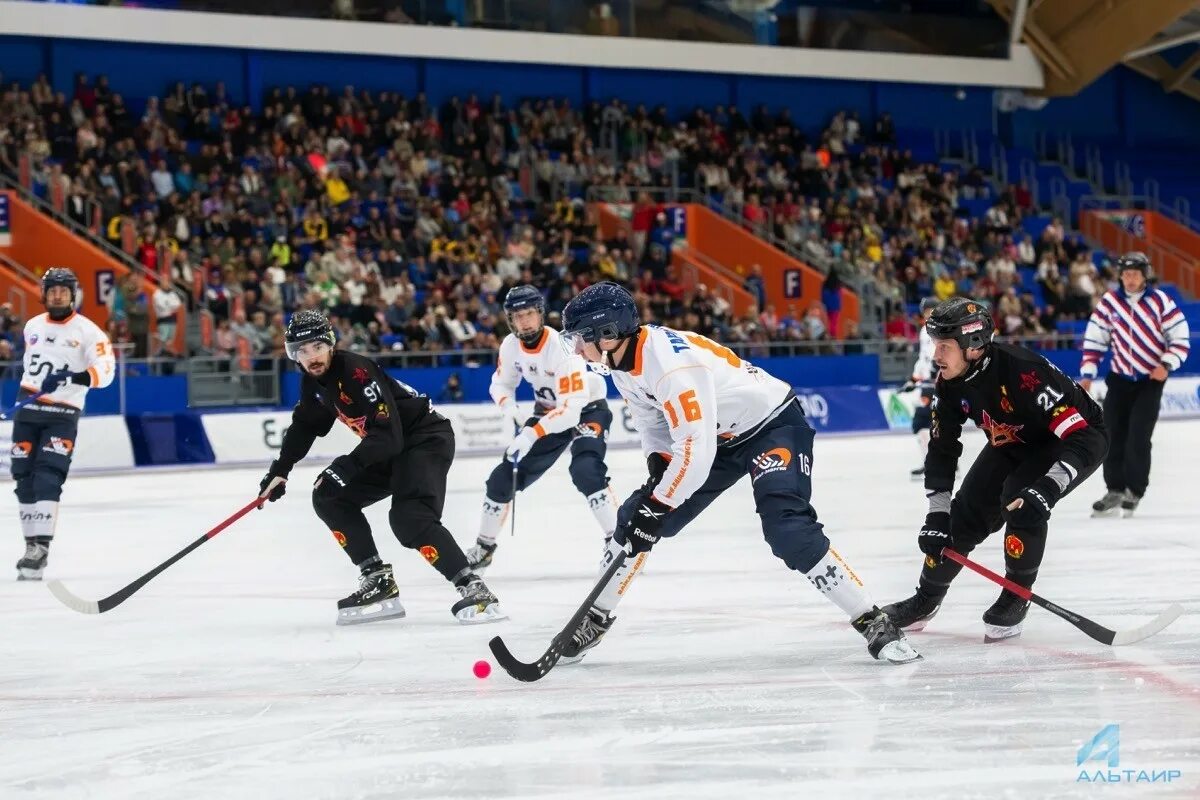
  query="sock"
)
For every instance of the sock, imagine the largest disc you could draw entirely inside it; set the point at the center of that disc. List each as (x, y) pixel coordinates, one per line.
(491, 520)
(615, 589)
(604, 508)
(923, 441)
(372, 563)
(833, 578)
(45, 518)
(26, 512)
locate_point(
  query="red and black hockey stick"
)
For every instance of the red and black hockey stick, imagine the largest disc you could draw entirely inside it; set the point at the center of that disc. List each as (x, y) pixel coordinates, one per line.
(1092, 629)
(113, 600)
(538, 669)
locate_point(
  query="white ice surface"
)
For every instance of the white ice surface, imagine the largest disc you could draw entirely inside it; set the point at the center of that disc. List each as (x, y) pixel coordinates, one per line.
(725, 676)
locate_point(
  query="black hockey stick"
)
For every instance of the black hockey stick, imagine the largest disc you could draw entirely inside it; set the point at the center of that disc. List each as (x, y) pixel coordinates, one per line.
(1092, 629)
(538, 669)
(513, 531)
(113, 600)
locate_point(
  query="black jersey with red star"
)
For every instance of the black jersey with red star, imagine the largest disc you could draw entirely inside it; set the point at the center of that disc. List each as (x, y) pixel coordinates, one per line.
(1017, 398)
(381, 411)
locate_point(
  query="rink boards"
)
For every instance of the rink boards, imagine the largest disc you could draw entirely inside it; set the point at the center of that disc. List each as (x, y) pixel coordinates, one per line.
(253, 437)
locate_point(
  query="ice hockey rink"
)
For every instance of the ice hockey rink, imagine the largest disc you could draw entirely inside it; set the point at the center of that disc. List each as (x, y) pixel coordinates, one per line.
(725, 676)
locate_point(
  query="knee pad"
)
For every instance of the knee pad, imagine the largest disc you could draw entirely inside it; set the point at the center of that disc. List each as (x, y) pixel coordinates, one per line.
(970, 525)
(588, 473)
(499, 484)
(412, 530)
(1023, 551)
(47, 482)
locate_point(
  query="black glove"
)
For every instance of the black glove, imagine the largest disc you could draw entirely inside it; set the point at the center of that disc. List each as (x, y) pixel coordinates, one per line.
(336, 476)
(935, 534)
(656, 465)
(1036, 501)
(55, 379)
(640, 532)
(279, 489)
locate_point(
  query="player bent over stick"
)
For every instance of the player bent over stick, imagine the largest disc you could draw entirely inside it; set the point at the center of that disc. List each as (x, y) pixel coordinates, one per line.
(706, 419)
(1045, 437)
(406, 452)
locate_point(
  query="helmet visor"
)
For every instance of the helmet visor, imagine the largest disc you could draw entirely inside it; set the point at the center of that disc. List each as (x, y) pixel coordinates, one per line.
(308, 348)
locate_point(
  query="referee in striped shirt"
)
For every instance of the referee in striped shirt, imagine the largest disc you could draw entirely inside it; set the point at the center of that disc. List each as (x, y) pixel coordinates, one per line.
(1148, 337)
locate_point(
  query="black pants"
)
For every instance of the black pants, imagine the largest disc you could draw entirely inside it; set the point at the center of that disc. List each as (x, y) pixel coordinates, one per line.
(588, 442)
(43, 440)
(1130, 413)
(977, 511)
(415, 479)
(778, 460)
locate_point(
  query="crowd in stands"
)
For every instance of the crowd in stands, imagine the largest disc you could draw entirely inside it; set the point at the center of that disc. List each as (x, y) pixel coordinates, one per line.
(408, 221)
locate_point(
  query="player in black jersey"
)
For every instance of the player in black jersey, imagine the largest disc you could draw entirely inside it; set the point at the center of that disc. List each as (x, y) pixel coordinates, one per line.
(1045, 437)
(405, 452)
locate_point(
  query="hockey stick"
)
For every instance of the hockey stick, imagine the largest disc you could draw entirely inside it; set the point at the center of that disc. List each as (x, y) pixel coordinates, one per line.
(17, 406)
(113, 600)
(513, 530)
(1092, 629)
(538, 669)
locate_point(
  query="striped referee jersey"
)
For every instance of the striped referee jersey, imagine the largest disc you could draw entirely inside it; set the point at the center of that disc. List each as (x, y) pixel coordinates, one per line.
(1142, 330)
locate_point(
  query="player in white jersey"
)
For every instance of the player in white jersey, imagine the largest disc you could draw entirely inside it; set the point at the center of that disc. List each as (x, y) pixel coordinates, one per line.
(706, 420)
(65, 355)
(570, 411)
(923, 375)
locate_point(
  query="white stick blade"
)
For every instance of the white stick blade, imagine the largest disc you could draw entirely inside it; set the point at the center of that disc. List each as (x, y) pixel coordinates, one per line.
(71, 601)
(1152, 627)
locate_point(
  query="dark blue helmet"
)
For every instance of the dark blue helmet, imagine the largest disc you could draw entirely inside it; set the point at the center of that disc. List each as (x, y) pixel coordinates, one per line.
(601, 311)
(60, 276)
(520, 298)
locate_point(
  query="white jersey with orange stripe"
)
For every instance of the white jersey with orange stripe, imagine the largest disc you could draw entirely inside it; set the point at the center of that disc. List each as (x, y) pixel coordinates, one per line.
(687, 395)
(76, 344)
(562, 384)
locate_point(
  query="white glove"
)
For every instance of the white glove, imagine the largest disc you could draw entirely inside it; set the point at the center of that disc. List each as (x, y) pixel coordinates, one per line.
(512, 412)
(521, 444)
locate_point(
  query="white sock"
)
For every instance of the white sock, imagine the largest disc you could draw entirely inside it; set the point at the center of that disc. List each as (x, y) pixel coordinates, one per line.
(604, 508)
(833, 578)
(923, 441)
(45, 518)
(491, 519)
(27, 512)
(624, 576)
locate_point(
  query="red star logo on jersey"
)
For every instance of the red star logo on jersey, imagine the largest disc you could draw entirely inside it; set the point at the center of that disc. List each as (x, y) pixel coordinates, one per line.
(360, 375)
(999, 433)
(356, 424)
(1030, 381)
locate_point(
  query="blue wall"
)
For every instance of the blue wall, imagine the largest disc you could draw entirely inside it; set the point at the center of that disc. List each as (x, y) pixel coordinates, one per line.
(144, 395)
(1121, 106)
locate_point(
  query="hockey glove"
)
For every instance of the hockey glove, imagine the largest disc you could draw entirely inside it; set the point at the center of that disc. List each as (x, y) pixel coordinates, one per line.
(336, 476)
(56, 379)
(521, 444)
(274, 483)
(1031, 507)
(512, 412)
(935, 534)
(640, 531)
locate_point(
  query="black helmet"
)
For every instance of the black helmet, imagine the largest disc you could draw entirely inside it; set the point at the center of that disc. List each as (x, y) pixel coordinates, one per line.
(966, 321)
(522, 297)
(601, 311)
(928, 304)
(60, 276)
(306, 326)
(1134, 260)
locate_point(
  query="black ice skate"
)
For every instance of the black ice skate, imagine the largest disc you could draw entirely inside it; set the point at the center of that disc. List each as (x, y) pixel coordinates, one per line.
(587, 635)
(1006, 617)
(33, 563)
(479, 557)
(1129, 503)
(918, 473)
(1106, 506)
(375, 599)
(478, 605)
(914, 613)
(885, 641)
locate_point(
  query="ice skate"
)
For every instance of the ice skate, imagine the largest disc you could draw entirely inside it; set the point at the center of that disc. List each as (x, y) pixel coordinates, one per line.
(479, 557)
(885, 641)
(917, 474)
(1129, 504)
(1005, 619)
(1106, 506)
(587, 635)
(914, 613)
(478, 605)
(375, 599)
(33, 563)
